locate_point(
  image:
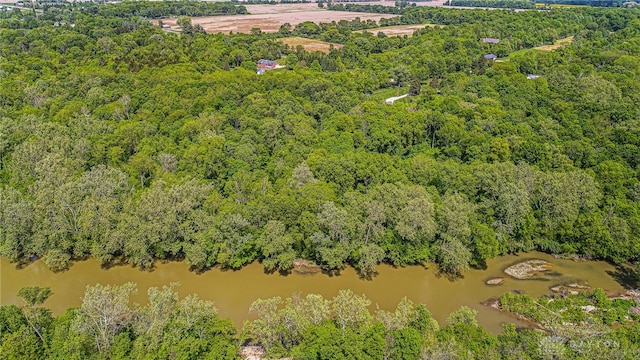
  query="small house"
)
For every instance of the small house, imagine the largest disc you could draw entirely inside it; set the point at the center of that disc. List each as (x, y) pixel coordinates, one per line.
(490, 40)
(533, 76)
(490, 57)
(267, 64)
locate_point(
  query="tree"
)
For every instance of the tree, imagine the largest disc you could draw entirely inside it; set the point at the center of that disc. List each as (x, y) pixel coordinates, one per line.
(416, 222)
(16, 216)
(285, 29)
(143, 167)
(301, 176)
(455, 232)
(415, 87)
(464, 315)
(276, 246)
(351, 310)
(369, 256)
(152, 319)
(193, 314)
(104, 312)
(375, 217)
(405, 314)
(334, 220)
(333, 243)
(314, 309)
(266, 329)
(186, 328)
(434, 121)
(315, 66)
(328, 342)
(236, 247)
(36, 316)
(453, 257)
(185, 23)
(21, 344)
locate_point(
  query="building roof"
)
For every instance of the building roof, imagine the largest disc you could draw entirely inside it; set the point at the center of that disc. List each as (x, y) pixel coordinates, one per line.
(490, 40)
(490, 56)
(267, 62)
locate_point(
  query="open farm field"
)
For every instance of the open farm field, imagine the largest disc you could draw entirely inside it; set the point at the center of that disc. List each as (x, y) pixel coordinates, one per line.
(399, 30)
(281, 8)
(269, 18)
(310, 44)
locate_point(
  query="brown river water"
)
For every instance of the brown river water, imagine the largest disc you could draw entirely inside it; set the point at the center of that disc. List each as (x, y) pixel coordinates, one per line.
(233, 291)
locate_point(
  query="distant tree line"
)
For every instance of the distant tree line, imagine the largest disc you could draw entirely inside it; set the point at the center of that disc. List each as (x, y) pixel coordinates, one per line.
(601, 3)
(381, 9)
(531, 4)
(159, 9)
(271, 2)
(507, 4)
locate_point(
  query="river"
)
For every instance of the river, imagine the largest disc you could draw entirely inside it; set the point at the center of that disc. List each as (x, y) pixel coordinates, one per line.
(233, 291)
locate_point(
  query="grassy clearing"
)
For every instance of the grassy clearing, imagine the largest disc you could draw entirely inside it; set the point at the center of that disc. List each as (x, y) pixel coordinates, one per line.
(521, 52)
(513, 54)
(382, 95)
(544, 48)
(309, 44)
(556, 45)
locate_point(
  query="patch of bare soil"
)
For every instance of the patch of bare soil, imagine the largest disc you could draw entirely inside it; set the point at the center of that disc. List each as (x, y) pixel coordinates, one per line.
(399, 30)
(255, 353)
(556, 45)
(572, 288)
(310, 45)
(527, 269)
(305, 267)
(281, 8)
(495, 281)
(252, 352)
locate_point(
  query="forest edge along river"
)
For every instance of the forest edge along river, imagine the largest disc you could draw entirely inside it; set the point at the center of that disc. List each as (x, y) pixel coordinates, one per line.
(232, 292)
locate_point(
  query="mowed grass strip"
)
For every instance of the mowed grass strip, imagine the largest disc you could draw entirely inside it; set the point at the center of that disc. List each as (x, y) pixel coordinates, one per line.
(383, 94)
(309, 44)
(544, 48)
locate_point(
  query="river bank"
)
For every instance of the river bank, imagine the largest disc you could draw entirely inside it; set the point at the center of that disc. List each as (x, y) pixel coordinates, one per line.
(234, 291)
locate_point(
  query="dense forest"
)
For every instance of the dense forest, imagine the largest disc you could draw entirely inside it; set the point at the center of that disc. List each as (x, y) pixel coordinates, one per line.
(108, 326)
(130, 144)
(124, 142)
